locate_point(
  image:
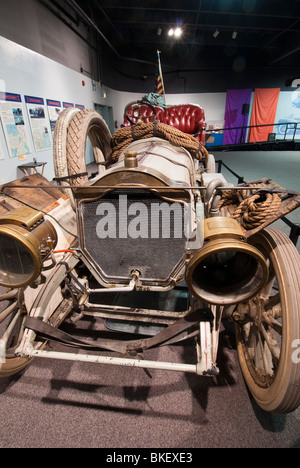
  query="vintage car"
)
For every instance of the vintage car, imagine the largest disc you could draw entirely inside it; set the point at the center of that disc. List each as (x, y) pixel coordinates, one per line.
(156, 244)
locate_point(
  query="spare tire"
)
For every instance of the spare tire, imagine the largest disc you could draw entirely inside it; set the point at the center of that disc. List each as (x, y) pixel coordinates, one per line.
(87, 124)
(72, 130)
(60, 148)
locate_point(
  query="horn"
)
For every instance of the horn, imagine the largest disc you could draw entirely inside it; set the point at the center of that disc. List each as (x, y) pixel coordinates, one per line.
(226, 270)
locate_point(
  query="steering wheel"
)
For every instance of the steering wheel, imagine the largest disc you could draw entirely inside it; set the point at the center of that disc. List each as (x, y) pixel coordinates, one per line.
(135, 112)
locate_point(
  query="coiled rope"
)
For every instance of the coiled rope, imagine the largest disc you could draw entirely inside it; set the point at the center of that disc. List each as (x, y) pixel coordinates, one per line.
(253, 208)
(124, 136)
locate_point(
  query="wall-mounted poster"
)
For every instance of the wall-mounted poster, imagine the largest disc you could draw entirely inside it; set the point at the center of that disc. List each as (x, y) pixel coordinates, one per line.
(39, 123)
(54, 109)
(67, 104)
(14, 126)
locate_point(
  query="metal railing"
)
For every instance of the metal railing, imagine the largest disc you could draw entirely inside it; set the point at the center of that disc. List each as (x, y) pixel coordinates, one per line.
(285, 131)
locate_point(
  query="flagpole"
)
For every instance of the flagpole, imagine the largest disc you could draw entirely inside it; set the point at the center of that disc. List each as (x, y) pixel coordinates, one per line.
(161, 75)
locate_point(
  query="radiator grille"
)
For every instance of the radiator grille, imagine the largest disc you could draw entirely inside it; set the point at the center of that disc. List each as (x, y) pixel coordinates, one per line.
(133, 231)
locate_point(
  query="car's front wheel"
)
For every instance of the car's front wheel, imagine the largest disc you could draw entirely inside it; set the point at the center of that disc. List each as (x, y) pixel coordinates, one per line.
(268, 342)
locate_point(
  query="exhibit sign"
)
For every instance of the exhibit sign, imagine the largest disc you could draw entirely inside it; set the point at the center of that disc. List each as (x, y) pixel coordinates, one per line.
(66, 105)
(14, 126)
(39, 123)
(54, 109)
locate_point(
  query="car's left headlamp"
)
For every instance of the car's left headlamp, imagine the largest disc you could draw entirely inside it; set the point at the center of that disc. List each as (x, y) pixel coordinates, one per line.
(26, 239)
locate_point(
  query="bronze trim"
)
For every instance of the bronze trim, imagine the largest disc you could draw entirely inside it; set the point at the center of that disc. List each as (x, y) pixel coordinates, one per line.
(27, 240)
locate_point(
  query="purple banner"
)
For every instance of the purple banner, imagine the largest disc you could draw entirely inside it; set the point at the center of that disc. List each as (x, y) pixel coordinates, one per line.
(236, 115)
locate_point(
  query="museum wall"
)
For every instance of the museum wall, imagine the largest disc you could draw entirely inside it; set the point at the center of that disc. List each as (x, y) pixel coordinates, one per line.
(26, 73)
(30, 24)
(42, 57)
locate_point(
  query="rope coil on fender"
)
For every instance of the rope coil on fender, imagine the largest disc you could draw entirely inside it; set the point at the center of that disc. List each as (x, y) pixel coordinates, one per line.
(253, 208)
(254, 211)
(124, 136)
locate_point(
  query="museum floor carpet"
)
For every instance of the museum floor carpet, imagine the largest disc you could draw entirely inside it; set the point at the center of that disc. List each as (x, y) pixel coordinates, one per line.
(56, 404)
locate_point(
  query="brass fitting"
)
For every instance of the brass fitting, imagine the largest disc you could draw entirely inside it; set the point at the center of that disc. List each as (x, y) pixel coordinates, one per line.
(25, 241)
(130, 159)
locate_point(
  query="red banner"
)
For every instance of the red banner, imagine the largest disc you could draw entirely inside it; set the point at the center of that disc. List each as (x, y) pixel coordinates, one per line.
(263, 113)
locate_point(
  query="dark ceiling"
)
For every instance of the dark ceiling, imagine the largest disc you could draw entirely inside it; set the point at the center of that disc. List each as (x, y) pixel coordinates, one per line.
(125, 35)
(268, 31)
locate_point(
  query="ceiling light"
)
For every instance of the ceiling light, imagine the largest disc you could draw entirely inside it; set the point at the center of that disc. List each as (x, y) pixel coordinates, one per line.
(216, 33)
(234, 34)
(178, 32)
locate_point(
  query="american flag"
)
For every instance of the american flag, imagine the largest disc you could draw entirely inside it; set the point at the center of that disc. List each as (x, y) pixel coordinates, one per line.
(160, 82)
(160, 85)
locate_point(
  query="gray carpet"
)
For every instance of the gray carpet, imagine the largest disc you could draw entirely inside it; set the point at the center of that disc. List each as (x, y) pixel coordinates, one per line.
(73, 405)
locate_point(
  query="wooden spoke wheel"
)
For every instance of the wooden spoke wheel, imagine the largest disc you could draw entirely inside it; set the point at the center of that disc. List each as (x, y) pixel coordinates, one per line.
(11, 330)
(269, 331)
(49, 304)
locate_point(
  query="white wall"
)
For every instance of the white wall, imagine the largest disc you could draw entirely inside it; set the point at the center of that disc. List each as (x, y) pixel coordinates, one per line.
(30, 24)
(212, 103)
(119, 100)
(25, 72)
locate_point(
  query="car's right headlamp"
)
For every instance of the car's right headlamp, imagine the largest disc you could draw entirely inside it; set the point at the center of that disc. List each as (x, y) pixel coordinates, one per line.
(25, 241)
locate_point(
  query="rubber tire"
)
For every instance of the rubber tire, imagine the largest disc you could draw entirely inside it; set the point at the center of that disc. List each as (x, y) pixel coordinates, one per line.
(60, 148)
(87, 124)
(13, 366)
(283, 395)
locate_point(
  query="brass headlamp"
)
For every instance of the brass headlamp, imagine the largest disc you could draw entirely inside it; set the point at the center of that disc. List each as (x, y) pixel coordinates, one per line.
(226, 270)
(26, 239)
